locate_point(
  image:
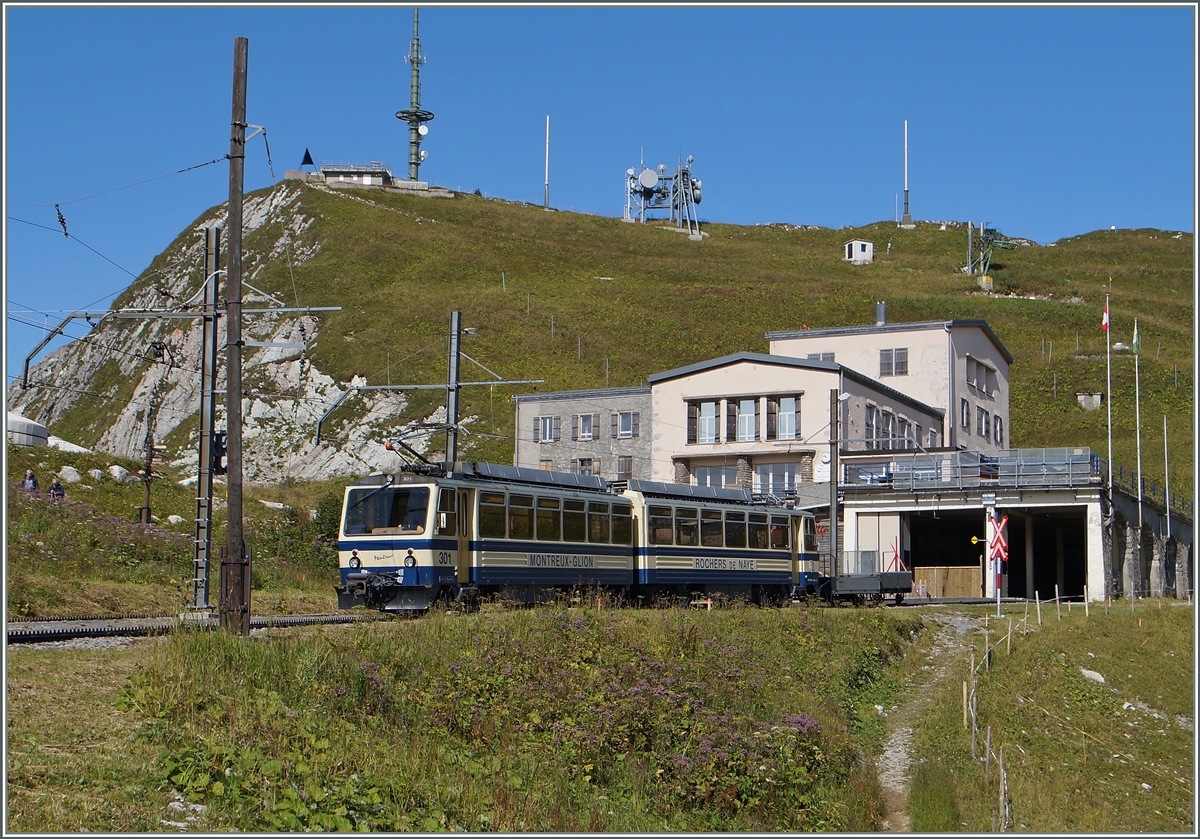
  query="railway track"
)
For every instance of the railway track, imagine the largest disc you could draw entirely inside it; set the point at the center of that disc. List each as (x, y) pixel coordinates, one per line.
(40, 630)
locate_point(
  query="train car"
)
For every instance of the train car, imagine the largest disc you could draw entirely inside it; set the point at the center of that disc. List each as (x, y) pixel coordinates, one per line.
(408, 541)
(719, 541)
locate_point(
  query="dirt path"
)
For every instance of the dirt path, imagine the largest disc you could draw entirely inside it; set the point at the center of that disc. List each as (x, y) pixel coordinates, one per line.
(950, 644)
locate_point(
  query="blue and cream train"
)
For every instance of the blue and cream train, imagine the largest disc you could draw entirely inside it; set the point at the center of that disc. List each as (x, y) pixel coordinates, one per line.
(407, 541)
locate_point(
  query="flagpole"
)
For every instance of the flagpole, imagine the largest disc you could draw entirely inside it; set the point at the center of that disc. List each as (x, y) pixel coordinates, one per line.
(1167, 473)
(1108, 396)
(1137, 398)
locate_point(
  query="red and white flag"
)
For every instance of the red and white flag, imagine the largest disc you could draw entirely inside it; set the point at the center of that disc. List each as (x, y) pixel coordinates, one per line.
(1104, 323)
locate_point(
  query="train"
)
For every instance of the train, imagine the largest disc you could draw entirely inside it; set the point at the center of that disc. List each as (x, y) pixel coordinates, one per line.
(412, 540)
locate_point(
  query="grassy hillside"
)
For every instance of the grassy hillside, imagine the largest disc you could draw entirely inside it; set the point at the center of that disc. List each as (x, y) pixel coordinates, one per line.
(536, 286)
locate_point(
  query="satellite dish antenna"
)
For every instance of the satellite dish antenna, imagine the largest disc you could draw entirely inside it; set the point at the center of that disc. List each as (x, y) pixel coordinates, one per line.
(648, 179)
(422, 129)
(424, 154)
(629, 171)
(690, 159)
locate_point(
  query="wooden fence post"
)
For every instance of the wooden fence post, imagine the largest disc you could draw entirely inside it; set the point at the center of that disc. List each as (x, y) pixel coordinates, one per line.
(1057, 602)
(987, 758)
(1087, 610)
(1037, 595)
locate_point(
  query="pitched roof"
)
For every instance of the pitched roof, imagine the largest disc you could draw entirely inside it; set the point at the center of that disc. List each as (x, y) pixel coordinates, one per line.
(896, 327)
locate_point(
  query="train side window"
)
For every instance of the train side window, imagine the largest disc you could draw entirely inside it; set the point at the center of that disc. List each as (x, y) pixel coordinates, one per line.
(757, 530)
(686, 527)
(520, 517)
(491, 515)
(447, 517)
(810, 535)
(711, 531)
(549, 520)
(574, 520)
(779, 532)
(622, 525)
(660, 525)
(598, 523)
(735, 529)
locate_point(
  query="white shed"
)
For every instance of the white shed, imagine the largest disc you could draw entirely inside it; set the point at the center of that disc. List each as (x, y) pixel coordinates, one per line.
(859, 252)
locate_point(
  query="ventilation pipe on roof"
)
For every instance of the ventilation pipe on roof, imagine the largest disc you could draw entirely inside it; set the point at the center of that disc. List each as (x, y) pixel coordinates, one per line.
(880, 313)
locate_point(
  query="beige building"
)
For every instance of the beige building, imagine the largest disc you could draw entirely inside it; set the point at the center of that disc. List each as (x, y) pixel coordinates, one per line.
(959, 366)
(762, 421)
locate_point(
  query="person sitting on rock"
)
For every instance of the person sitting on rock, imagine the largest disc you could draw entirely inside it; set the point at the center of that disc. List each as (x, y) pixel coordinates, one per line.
(57, 492)
(29, 482)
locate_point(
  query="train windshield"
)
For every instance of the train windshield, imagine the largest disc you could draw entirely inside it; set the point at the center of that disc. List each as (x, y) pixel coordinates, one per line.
(393, 510)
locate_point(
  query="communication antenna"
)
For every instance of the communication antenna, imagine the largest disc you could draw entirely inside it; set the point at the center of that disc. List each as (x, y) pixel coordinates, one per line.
(648, 189)
(906, 220)
(415, 116)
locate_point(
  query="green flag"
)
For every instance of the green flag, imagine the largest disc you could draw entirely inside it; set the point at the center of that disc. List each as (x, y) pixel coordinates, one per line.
(1136, 341)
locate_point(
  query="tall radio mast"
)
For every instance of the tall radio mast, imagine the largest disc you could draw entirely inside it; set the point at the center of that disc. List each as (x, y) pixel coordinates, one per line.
(415, 116)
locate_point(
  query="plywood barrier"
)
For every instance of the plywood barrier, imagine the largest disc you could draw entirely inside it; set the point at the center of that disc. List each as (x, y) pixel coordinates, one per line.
(949, 581)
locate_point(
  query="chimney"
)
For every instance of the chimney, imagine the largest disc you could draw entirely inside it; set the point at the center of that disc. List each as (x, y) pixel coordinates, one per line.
(880, 313)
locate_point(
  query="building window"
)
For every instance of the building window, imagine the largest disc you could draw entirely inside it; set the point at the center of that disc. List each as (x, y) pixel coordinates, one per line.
(586, 466)
(965, 416)
(983, 422)
(999, 431)
(546, 465)
(624, 468)
(585, 427)
(702, 422)
(547, 429)
(782, 417)
(820, 356)
(747, 420)
(886, 430)
(625, 424)
(779, 479)
(981, 377)
(893, 362)
(933, 438)
(715, 476)
(903, 440)
(869, 425)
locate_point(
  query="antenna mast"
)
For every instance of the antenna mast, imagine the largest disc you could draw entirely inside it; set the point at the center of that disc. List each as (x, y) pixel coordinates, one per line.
(415, 116)
(906, 219)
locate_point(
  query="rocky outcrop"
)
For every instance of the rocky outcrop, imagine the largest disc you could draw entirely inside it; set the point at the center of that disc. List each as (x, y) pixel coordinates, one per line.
(280, 411)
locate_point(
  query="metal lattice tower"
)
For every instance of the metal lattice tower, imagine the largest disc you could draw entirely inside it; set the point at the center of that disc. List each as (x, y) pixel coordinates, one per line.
(677, 193)
(415, 116)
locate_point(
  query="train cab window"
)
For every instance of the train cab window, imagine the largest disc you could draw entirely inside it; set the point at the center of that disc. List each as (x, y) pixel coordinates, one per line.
(574, 520)
(598, 522)
(387, 511)
(659, 521)
(622, 525)
(447, 513)
(520, 517)
(757, 530)
(779, 533)
(686, 527)
(549, 520)
(711, 531)
(810, 535)
(491, 514)
(735, 529)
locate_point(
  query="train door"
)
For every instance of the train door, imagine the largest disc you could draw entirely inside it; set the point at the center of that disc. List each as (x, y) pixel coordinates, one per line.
(797, 541)
(466, 527)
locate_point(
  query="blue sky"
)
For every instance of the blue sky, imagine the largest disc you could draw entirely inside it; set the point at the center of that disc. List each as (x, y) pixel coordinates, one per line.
(1045, 122)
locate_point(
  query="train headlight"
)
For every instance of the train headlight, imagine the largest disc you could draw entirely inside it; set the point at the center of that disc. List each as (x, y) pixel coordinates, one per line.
(355, 562)
(410, 561)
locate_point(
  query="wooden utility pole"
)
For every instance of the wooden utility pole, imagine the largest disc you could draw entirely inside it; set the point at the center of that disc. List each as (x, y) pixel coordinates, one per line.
(235, 562)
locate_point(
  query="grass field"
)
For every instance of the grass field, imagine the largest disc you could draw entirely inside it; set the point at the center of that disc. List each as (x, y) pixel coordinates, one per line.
(570, 719)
